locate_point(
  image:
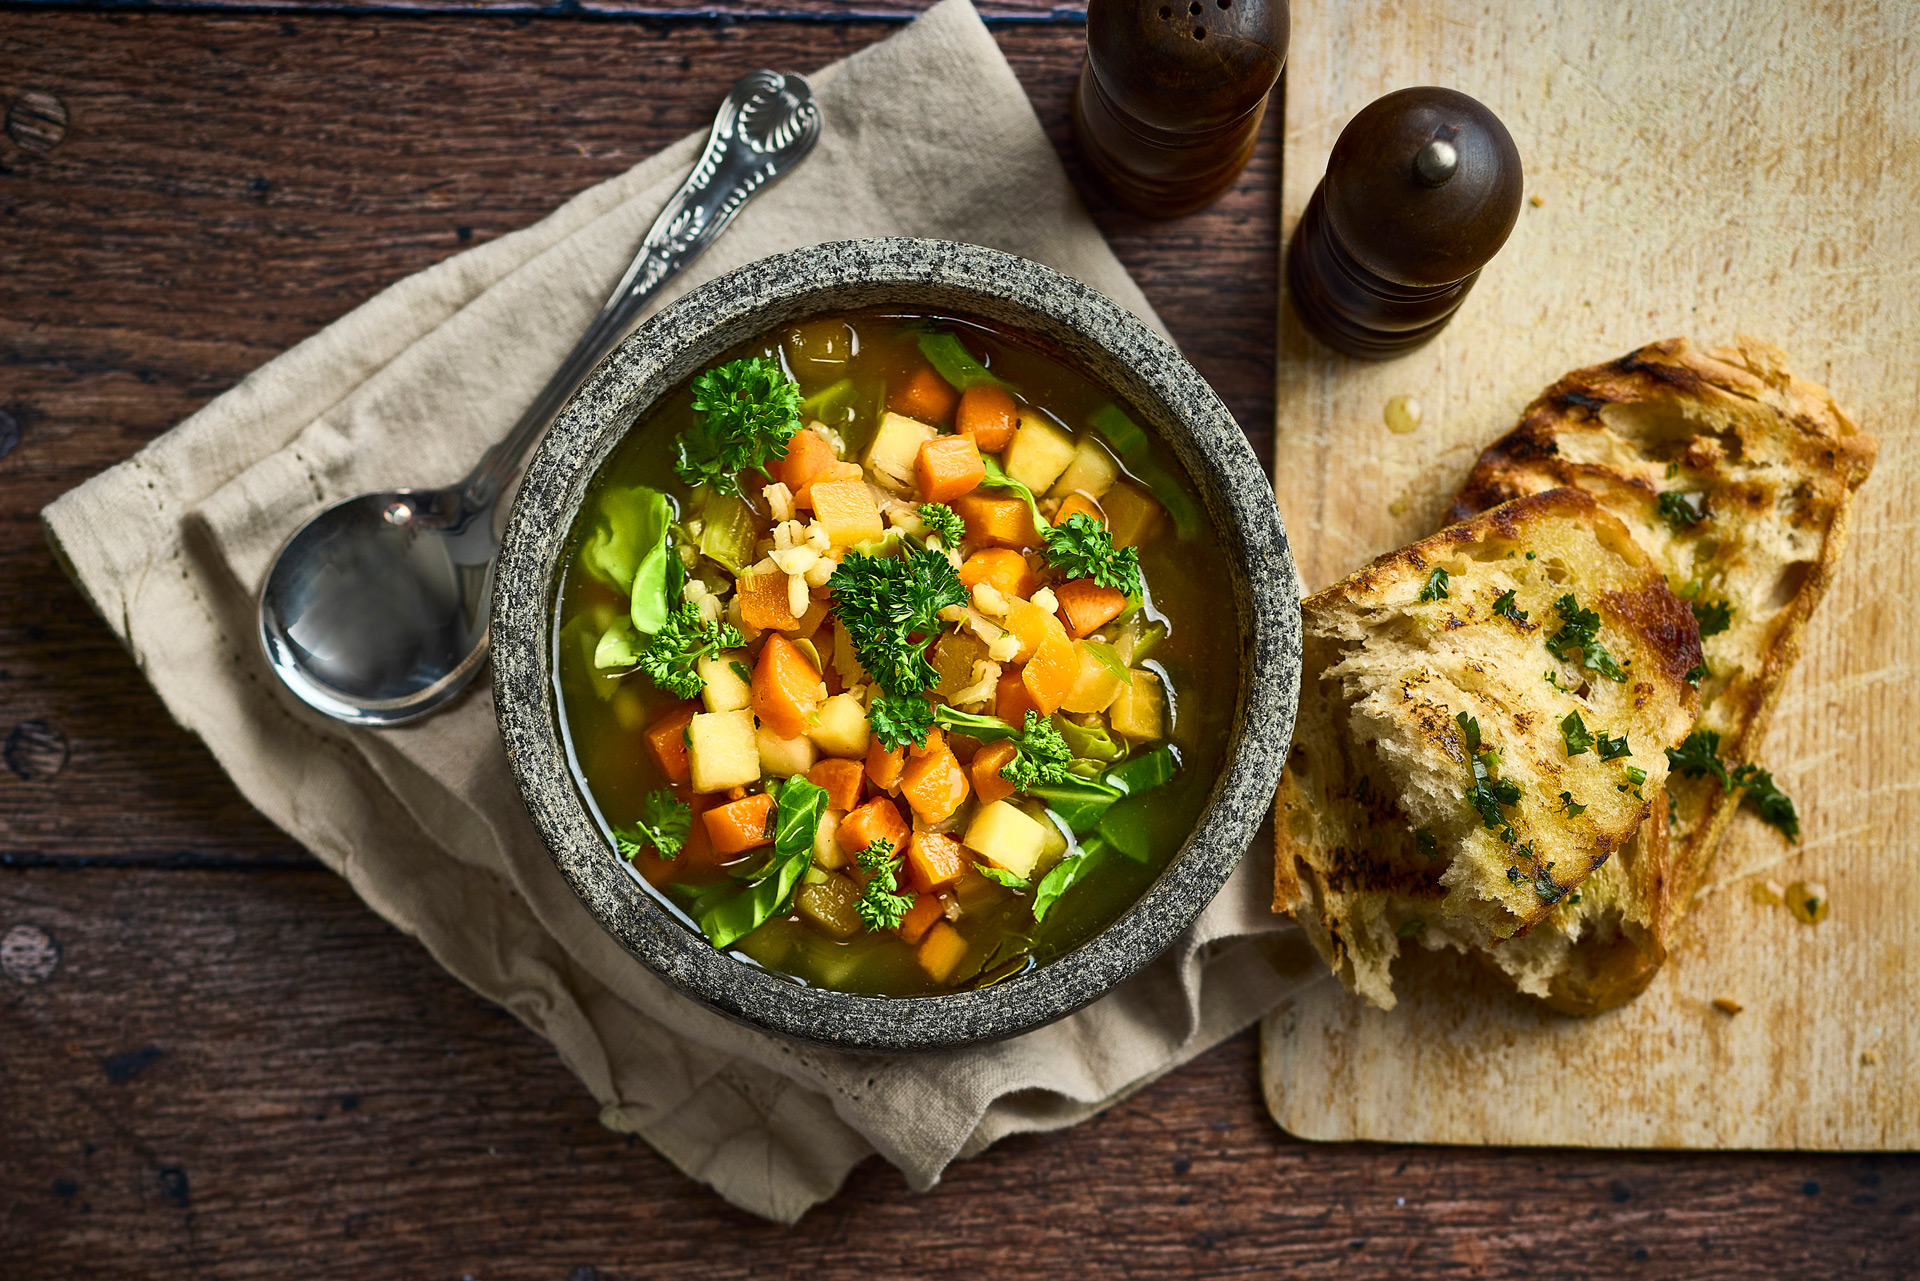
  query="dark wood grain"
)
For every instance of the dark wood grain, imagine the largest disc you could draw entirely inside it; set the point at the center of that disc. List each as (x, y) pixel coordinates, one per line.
(334, 1106)
(995, 12)
(235, 1070)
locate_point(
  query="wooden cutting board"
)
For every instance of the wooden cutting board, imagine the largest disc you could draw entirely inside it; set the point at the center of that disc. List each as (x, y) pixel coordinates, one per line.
(1702, 170)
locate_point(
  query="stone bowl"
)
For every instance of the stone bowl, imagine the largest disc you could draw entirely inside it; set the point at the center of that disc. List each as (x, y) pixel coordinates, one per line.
(1065, 317)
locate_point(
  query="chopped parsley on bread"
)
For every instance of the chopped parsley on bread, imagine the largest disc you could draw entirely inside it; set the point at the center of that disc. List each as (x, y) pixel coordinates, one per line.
(1485, 718)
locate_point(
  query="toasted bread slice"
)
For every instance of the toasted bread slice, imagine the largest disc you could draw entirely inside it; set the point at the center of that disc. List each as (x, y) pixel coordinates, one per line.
(1432, 792)
(1771, 464)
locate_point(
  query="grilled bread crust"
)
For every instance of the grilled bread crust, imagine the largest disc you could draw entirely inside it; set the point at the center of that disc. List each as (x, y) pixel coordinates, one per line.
(1377, 836)
(1774, 463)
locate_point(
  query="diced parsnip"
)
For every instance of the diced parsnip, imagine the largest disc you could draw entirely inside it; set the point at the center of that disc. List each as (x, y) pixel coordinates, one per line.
(826, 843)
(726, 688)
(721, 751)
(840, 728)
(829, 906)
(847, 510)
(953, 660)
(1006, 838)
(784, 757)
(1091, 472)
(1099, 682)
(894, 451)
(1039, 453)
(1139, 713)
(1132, 516)
(941, 951)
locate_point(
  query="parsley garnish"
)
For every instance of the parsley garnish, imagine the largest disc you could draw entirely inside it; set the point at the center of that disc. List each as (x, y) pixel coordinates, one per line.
(1424, 841)
(1569, 806)
(1488, 792)
(1543, 885)
(1635, 774)
(1612, 749)
(1682, 510)
(900, 719)
(1574, 730)
(889, 606)
(1714, 616)
(1699, 757)
(944, 523)
(748, 410)
(1436, 588)
(672, 658)
(1043, 753)
(1504, 606)
(664, 823)
(1773, 805)
(1698, 673)
(1408, 928)
(881, 904)
(1579, 634)
(1081, 547)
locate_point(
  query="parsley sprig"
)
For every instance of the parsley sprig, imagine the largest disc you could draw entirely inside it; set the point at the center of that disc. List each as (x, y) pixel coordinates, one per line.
(1682, 510)
(1503, 605)
(673, 657)
(944, 523)
(1081, 547)
(890, 606)
(748, 410)
(1714, 616)
(1578, 639)
(664, 823)
(881, 904)
(1699, 757)
(1042, 755)
(900, 720)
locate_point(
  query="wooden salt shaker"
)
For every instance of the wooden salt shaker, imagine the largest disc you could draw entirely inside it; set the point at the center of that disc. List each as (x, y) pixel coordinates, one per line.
(1171, 95)
(1421, 190)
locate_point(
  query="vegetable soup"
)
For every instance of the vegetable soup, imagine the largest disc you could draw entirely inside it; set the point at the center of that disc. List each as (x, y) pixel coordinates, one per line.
(893, 655)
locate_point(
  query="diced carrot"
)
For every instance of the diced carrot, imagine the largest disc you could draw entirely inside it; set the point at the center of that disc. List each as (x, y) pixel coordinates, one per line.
(996, 522)
(884, 767)
(948, 467)
(699, 845)
(933, 860)
(786, 688)
(934, 784)
(920, 917)
(842, 779)
(877, 820)
(941, 951)
(1032, 627)
(988, 416)
(935, 741)
(1050, 674)
(1086, 606)
(667, 740)
(1075, 504)
(740, 825)
(1003, 567)
(922, 394)
(803, 497)
(987, 764)
(808, 453)
(763, 602)
(1011, 702)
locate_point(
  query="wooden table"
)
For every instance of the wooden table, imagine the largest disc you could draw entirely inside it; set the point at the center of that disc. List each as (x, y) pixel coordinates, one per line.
(234, 1069)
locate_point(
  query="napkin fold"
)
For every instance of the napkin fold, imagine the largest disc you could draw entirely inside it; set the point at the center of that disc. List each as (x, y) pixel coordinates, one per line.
(927, 134)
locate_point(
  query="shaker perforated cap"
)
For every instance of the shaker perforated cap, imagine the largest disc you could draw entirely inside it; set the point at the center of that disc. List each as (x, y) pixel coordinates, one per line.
(1191, 65)
(1423, 186)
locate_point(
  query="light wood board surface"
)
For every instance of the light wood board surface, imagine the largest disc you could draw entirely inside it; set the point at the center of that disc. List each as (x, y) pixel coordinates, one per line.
(1701, 170)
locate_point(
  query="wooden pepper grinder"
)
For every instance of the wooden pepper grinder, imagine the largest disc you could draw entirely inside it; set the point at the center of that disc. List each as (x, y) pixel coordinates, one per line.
(1422, 188)
(1171, 95)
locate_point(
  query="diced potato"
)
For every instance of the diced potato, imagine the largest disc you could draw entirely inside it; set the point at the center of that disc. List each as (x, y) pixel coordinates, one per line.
(840, 727)
(784, 757)
(1100, 680)
(846, 661)
(953, 659)
(1039, 453)
(1139, 714)
(847, 510)
(1132, 516)
(721, 751)
(726, 676)
(826, 845)
(894, 451)
(1092, 471)
(1006, 838)
(829, 906)
(1056, 847)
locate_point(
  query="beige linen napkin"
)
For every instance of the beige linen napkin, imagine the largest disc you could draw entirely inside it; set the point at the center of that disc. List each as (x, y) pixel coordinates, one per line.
(927, 134)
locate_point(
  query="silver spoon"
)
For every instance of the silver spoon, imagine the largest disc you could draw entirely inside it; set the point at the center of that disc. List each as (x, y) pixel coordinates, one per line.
(375, 611)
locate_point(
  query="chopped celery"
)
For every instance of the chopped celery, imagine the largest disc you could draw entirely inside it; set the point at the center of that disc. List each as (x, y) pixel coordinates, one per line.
(726, 531)
(956, 364)
(832, 404)
(1090, 742)
(888, 544)
(1130, 442)
(1138, 639)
